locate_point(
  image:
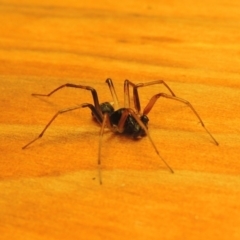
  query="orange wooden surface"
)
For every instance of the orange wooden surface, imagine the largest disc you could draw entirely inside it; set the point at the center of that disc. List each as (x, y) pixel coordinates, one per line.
(51, 189)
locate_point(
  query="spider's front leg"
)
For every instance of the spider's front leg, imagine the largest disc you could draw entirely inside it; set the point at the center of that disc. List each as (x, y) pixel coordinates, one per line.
(123, 116)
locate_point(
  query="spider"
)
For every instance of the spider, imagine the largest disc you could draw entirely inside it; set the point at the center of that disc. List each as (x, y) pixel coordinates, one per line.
(126, 120)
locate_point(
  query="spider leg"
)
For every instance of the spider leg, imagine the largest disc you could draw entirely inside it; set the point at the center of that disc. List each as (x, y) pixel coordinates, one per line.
(119, 128)
(113, 92)
(125, 114)
(135, 92)
(93, 109)
(153, 100)
(93, 91)
(105, 122)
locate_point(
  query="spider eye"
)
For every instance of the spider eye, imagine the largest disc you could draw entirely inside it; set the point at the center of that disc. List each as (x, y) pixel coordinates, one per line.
(106, 107)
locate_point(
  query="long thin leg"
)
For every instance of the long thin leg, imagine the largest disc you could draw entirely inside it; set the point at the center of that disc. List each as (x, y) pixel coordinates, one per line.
(129, 111)
(153, 100)
(93, 91)
(104, 123)
(98, 117)
(135, 92)
(113, 93)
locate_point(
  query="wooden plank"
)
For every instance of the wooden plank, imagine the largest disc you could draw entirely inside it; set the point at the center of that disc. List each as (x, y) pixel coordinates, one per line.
(51, 190)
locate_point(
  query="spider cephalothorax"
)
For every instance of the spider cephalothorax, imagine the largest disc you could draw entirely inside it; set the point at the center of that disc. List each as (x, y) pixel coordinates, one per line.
(128, 120)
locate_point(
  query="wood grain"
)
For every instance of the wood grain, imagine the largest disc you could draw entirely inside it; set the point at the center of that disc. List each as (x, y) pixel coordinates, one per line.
(51, 189)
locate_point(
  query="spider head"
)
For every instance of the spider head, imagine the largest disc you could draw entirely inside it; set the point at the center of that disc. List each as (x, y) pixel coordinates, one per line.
(138, 132)
(145, 120)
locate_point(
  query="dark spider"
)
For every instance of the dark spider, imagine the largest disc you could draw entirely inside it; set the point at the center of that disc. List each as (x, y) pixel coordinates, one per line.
(123, 120)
